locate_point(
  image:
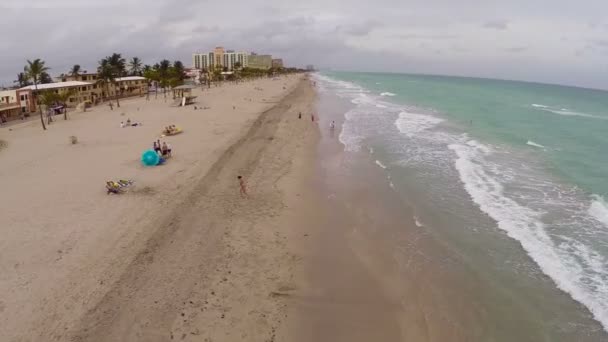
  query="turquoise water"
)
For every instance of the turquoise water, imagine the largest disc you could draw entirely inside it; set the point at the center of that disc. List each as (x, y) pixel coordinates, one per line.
(573, 125)
(531, 157)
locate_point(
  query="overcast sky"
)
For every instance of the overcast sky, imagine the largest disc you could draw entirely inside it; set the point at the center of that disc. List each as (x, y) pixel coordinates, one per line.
(555, 41)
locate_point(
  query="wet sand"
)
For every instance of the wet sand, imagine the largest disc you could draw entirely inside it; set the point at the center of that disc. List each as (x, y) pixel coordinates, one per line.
(371, 272)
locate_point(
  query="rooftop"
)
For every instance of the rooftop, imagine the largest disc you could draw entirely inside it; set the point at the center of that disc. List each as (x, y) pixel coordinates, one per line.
(57, 85)
(130, 78)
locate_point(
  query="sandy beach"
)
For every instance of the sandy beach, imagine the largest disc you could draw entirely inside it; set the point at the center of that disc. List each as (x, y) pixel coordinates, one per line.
(180, 255)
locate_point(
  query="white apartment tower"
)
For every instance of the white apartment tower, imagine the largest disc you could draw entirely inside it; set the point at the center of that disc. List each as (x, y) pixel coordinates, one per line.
(226, 59)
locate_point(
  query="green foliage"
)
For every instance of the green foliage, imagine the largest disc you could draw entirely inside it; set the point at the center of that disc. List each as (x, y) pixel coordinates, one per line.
(178, 71)
(135, 68)
(75, 71)
(45, 78)
(48, 98)
(34, 70)
(119, 65)
(22, 80)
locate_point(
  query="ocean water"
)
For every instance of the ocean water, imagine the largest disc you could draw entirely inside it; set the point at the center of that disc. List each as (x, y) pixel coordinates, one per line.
(530, 159)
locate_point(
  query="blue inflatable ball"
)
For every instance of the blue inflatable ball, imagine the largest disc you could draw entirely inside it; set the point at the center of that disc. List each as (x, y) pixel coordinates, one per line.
(150, 158)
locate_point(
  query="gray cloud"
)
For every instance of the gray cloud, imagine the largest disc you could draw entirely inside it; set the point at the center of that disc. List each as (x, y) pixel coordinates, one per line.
(387, 35)
(516, 49)
(603, 43)
(359, 29)
(500, 25)
(414, 36)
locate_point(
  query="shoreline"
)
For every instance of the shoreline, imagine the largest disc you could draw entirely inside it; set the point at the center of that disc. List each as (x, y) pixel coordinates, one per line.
(449, 273)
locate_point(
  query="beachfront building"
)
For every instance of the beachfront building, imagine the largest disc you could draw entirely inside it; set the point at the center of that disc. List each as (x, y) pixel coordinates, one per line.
(231, 58)
(260, 61)
(218, 52)
(89, 92)
(277, 63)
(27, 96)
(8, 96)
(201, 61)
(9, 105)
(127, 86)
(83, 77)
(219, 57)
(243, 58)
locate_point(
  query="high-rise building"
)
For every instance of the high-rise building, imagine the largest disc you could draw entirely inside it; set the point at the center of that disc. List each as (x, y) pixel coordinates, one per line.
(201, 60)
(243, 58)
(221, 58)
(260, 61)
(277, 63)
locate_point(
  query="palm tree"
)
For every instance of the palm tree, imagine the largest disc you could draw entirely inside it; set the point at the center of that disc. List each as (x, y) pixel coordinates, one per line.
(75, 72)
(163, 72)
(152, 76)
(179, 70)
(105, 76)
(47, 98)
(34, 70)
(22, 80)
(135, 66)
(45, 78)
(116, 66)
(64, 98)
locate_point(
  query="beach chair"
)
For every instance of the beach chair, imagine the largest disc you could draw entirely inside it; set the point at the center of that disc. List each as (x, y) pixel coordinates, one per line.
(119, 187)
(175, 131)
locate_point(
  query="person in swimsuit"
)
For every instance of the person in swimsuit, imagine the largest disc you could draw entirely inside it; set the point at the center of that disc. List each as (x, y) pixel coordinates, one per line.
(243, 187)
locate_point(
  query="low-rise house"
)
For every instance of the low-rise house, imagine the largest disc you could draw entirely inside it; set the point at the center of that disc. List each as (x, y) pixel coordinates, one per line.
(9, 106)
(27, 96)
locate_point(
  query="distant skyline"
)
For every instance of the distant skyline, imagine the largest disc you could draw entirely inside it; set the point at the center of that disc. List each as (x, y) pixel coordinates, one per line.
(557, 41)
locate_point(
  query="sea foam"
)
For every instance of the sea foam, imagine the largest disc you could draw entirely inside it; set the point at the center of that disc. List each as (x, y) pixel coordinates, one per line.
(599, 209)
(532, 143)
(413, 123)
(566, 112)
(379, 163)
(586, 282)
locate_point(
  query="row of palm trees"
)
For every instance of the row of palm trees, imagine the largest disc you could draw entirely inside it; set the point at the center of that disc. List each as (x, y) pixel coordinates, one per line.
(164, 74)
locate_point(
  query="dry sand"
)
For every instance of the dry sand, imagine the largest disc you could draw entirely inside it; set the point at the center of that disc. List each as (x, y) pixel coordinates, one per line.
(180, 256)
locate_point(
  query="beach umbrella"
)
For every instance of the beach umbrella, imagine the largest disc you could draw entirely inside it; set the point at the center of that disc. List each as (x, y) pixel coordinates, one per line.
(150, 158)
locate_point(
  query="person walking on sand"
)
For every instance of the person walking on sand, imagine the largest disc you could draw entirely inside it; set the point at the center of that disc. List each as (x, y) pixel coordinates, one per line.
(332, 125)
(299, 115)
(312, 117)
(243, 187)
